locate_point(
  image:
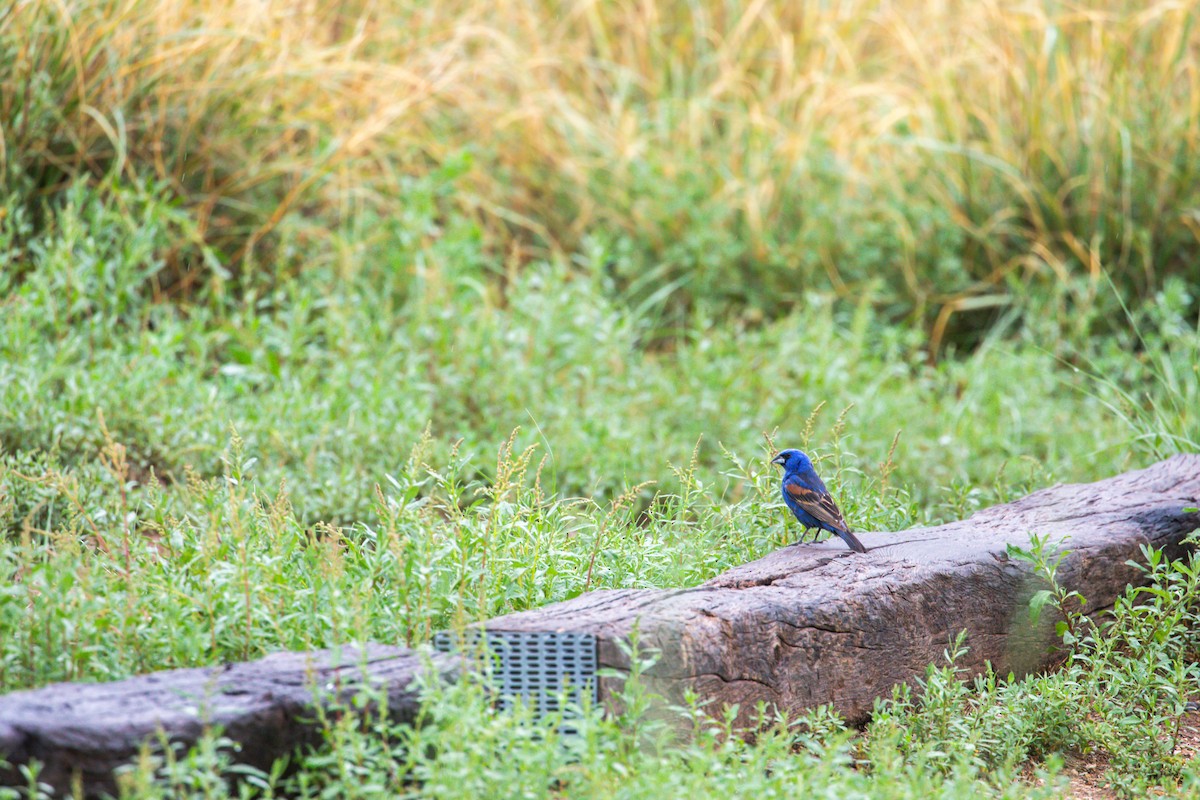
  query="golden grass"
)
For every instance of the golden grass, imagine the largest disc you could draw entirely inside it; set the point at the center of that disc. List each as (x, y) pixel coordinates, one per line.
(980, 142)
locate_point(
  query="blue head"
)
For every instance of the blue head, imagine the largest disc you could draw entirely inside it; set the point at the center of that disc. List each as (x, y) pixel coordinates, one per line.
(793, 461)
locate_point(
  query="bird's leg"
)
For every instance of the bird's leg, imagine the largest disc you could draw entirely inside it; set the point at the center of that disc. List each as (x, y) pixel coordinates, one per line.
(804, 534)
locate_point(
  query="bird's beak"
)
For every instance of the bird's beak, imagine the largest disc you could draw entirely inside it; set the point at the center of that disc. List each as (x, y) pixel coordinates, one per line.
(778, 460)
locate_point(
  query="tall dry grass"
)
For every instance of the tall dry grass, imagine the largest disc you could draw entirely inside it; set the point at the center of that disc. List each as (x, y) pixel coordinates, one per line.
(935, 155)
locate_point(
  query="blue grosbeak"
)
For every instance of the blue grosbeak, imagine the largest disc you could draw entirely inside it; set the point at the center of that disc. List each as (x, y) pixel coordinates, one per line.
(809, 500)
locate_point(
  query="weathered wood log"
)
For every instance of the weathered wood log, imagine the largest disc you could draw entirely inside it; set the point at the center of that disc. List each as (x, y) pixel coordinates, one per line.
(806, 625)
(84, 731)
(815, 623)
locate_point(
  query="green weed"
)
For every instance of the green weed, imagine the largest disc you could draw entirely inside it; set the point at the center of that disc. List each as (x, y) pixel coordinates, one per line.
(368, 322)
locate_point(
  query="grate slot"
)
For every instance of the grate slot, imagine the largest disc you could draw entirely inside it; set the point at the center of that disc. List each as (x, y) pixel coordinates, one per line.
(534, 666)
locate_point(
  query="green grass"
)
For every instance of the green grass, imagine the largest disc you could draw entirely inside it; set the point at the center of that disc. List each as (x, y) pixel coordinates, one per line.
(379, 456)
(1120, 693)
(728, 155)
(355, 325)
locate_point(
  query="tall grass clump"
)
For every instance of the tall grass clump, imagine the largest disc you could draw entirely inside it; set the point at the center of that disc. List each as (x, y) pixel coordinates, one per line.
(937, 159)
(246, 114)
(1154, 393)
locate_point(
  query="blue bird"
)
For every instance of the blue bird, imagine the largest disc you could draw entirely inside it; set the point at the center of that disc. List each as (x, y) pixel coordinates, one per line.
(809, 500)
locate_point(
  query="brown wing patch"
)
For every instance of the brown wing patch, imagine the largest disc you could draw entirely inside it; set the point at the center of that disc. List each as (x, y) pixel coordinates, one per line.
(820, 506)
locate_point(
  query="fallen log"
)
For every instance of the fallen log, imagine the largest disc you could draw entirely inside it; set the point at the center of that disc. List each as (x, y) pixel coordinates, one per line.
(814, 624)
(83, 731)
(805, 626)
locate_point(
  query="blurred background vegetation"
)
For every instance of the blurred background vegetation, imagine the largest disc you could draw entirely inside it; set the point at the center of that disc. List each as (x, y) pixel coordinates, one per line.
(941, 161)
(347, 320)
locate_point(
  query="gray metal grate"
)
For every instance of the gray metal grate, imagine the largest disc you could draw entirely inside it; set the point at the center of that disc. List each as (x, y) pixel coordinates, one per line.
(535, 666)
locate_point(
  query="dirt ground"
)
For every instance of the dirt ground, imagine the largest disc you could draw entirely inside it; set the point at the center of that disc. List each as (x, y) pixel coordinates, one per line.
(1088, 773)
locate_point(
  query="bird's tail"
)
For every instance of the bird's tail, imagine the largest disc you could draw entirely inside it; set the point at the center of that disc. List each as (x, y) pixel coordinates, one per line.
(851, 541)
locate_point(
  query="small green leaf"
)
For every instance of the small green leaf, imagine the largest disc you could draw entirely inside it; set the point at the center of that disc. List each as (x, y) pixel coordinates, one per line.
(1019, 553)
(1037, 603)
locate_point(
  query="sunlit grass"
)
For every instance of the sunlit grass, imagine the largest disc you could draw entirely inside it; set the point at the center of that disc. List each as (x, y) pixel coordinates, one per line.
(356, 321)
(932, 157)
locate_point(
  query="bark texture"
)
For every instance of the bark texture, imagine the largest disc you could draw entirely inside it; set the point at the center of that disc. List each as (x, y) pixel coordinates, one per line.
(816, 623)
(806, 625)
(84, 731)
